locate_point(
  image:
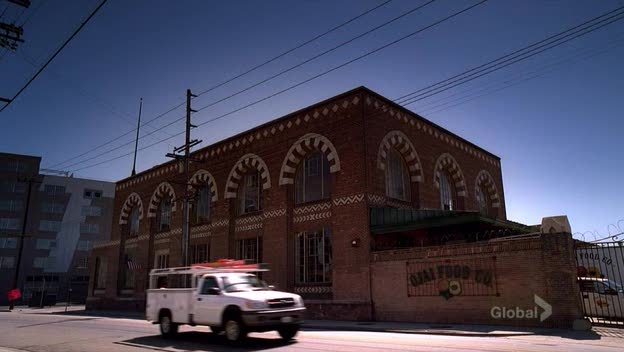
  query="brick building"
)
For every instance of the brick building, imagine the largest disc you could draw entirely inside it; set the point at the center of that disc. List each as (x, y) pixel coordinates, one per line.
(312, 194)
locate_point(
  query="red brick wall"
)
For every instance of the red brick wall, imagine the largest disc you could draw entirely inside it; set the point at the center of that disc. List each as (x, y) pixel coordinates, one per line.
(430, 142)
(543, 266)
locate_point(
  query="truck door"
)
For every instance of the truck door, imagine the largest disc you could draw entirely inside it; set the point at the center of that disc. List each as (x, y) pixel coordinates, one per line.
(207, 302)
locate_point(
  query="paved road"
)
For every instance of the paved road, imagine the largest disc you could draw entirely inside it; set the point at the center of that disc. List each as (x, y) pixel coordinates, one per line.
(43, 332)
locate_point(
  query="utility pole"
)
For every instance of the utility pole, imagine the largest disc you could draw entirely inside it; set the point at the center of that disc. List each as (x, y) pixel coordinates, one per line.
(136, 142)
(186, 159)
(11, 36)
(20, 248)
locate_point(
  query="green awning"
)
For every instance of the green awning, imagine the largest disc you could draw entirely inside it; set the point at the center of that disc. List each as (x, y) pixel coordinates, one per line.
(388, 220)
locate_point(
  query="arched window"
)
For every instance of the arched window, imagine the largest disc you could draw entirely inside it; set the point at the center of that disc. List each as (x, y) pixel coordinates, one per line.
(134, 221)
(482, 200)
(201, 207)
(312, 179)
(446, 192)
(164, 214)
(397, 177)
(249, 193)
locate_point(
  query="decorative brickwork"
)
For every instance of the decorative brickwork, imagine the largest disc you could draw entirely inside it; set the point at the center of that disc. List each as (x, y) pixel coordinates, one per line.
(302, 147)
(313, 208)
(446, 162)
(348, 200)
(246, 163)
(485, 179)
(133, 200)
(399, 141)
(203, 177)
(311, 217)
(164, 189)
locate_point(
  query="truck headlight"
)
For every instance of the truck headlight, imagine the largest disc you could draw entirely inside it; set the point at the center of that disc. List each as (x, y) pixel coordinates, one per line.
(256, 305)
(299, 301)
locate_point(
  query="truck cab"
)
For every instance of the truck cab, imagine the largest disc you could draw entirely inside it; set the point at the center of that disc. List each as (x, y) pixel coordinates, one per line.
(227, 297)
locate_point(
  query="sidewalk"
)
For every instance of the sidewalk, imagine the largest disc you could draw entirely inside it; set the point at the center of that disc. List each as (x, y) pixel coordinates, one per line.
(393, 327)
(428, 329)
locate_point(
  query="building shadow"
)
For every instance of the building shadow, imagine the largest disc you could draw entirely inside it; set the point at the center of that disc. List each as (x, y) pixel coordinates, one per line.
(203, 341)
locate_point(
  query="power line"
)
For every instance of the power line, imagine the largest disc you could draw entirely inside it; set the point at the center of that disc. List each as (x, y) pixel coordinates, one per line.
(293, 49)
(434, 109)
(336, 47)
(308, 79)
(586, 31)
(98, 100)
(54, 55)
(509, 58)
(405, 103)
(256, 67)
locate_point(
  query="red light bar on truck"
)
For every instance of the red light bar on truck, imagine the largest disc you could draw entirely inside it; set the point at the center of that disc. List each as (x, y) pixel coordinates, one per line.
(221, 265)
(231, 264)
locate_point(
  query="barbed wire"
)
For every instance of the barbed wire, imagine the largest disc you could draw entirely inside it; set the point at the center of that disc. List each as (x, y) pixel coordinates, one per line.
(614, 230)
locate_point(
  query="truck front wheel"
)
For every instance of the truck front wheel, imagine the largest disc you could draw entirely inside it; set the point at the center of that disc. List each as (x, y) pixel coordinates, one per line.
(234, 330)
(288, 332)
(168, 328)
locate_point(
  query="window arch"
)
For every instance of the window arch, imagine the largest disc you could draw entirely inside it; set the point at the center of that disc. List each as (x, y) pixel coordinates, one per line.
(312, 179)
(204, 188)
(164, 190)
(249, 164)
(132, 202)
(307, 144)
(449, 180)
(397, 176)
(486, 193)
(403, 173)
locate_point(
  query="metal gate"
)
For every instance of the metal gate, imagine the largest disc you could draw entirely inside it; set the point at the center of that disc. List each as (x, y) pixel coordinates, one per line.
(600, 269)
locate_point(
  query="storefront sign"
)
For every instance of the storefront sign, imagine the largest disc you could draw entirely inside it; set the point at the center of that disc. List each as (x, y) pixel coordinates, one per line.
(471, 277)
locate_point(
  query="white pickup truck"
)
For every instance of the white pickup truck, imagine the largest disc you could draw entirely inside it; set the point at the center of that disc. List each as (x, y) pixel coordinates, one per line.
(227, 299)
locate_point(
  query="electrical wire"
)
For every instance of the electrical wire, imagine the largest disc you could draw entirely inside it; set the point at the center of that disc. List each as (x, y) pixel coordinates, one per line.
(254, 68)
(54, 55)
(532, 48)
(306, 80)
(434, 108)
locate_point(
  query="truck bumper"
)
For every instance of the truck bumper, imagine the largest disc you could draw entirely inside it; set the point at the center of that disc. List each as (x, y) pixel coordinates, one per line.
(270, 320)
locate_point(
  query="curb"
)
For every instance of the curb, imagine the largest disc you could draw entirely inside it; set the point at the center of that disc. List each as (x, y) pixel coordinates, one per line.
(420, 332)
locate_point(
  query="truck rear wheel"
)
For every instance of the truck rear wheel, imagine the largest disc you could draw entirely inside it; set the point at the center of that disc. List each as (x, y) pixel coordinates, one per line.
(288, 332)
(234, 330)
(168, 328)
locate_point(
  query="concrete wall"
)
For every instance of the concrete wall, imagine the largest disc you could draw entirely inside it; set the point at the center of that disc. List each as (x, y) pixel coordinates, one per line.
(542, 266)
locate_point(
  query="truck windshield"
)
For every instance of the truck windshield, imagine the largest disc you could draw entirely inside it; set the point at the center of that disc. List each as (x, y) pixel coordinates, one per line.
(243, 283)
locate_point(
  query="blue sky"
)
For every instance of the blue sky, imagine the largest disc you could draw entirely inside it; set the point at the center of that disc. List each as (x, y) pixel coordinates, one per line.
(559, 135)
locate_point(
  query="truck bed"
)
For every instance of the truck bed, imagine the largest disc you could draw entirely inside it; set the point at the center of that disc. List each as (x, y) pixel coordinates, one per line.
(178, 300)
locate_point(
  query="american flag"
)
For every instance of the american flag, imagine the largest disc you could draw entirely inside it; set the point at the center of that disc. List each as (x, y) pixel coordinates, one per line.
(133, 265)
